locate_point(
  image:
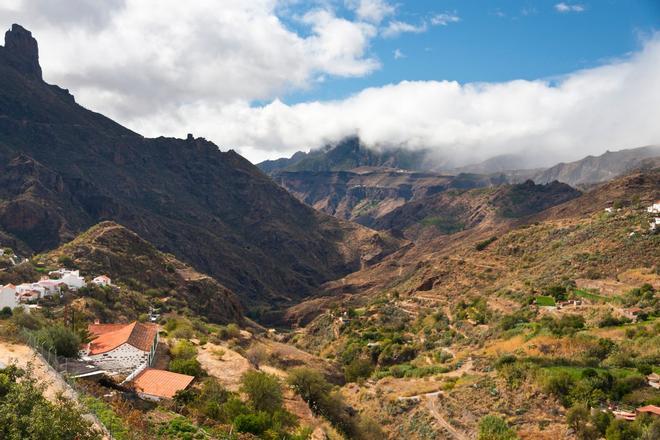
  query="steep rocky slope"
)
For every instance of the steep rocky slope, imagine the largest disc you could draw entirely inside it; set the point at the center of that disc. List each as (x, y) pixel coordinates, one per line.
(458, 210)
(64, 168)
(366, 194)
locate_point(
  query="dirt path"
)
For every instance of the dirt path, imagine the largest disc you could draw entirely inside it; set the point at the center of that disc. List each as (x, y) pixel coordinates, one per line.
(431, 404)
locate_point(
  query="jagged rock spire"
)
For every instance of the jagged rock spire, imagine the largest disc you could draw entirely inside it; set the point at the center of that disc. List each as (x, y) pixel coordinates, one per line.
(22, 51)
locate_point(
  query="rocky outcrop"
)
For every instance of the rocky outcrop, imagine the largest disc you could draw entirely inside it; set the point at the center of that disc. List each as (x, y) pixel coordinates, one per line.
(22, 52)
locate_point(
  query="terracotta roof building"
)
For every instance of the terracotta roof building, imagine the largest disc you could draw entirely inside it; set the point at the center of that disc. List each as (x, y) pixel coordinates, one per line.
(122, 348)
(650, 409)
(155, 384)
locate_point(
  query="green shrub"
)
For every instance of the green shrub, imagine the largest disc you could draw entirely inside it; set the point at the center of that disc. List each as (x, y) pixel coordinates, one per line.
(495, 428)
(183, 350)
(484, 244)
(191, 367)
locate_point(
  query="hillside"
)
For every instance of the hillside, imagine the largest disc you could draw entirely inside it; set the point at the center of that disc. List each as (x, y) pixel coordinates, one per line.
(458, 210)
(111, 249)
(366, 194)
(596, 169)
(64, 168)
(453, 327)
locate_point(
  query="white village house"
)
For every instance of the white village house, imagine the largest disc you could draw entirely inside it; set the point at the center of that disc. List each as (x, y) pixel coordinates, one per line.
(122, 348)
(24, 288)
(654, 208)
(8, 296)
(102, 281)
(72, 279)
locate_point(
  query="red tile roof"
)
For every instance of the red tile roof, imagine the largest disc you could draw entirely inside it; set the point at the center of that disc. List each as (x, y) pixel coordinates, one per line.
(111, 336)
(161, 383)
(650, 409)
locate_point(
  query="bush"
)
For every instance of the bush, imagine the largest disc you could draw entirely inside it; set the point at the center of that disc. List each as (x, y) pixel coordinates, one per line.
(191, 367)
(495, 428)
(253, 423)
(183, 350)
(263, 391)
(5, 313)
(484, 244)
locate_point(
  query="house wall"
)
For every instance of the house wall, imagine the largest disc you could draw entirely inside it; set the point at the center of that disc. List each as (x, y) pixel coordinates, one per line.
(7, 298)
(122, 359)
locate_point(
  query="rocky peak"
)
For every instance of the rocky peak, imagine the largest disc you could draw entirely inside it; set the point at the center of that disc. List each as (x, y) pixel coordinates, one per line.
(22, 52)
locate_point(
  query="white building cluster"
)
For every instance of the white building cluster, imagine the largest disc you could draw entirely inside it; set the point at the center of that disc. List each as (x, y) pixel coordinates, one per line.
(13, 296)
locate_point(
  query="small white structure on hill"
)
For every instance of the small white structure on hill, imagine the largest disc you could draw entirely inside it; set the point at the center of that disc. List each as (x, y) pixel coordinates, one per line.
(654, 208)
(8, 296)
(122, 348)
(102, 281)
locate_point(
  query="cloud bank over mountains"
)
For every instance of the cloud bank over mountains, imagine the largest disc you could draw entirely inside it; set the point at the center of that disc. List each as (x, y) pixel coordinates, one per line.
(169, 67)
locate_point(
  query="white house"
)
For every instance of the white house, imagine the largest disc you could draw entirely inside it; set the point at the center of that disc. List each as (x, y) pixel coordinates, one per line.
(73, 280)
(31, 287)
(122, 348)
(8, 297)
(2, 252)
(102, 281)
(51, 287)
(654, 208)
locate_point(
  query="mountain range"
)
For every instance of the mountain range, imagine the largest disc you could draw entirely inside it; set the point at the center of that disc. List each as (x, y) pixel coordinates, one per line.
(64, 168)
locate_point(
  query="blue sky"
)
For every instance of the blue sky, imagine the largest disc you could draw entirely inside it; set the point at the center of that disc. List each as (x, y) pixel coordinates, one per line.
(496, 41)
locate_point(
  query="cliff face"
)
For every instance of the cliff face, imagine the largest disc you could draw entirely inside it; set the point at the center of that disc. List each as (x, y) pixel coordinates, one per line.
(64, 168)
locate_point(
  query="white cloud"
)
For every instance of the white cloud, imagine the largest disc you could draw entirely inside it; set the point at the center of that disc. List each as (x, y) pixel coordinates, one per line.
(396, 28)
(169, 68)
(398, 54)
(567, 7)
(127, 58)
(587, 112)
(373, 11)
(444, 19)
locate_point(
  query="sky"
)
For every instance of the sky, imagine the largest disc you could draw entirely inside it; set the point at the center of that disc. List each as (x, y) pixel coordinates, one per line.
(468, 79)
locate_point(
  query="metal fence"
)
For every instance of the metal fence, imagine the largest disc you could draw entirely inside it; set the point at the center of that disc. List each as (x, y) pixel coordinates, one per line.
(47, 353)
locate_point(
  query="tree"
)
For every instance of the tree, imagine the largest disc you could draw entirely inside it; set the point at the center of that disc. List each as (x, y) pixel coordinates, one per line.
(263, 391)
(60, 339)
(359, 368)
(622, 430)
(495, 428)
(26, 415)
(579, 420)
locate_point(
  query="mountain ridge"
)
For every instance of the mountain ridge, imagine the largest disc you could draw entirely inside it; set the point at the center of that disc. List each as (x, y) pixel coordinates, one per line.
(64, 168)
